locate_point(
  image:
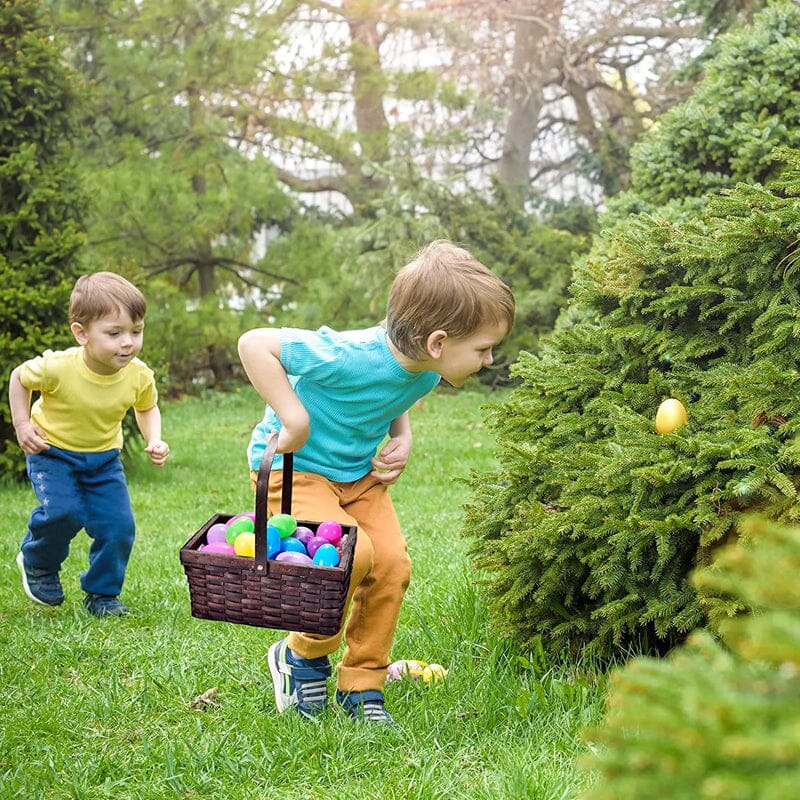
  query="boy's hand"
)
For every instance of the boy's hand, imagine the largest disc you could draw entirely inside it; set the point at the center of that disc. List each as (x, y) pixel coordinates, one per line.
(158, 452)
(294, 431)
(391, 460)
(31, 438)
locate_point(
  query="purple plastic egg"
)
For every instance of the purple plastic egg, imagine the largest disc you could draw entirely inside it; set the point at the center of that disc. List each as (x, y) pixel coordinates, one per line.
(217, 532)
(222, 548)
(314, 543)
(330, 530)
(290, 557)
(303, 533)
(326, 556)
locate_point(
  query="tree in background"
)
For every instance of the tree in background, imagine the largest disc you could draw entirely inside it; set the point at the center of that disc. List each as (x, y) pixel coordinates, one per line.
(747, 104)
(593, 523)
(177, 191)
(41, 202)
(719, 717)
(226, 135)
(580, 82)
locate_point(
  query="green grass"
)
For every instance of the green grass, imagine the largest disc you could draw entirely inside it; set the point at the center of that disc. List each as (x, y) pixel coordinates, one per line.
(103, 708)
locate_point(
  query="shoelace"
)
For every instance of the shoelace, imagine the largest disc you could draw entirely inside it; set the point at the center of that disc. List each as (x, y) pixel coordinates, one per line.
(312, 691)
(373, 711)
(48, 581)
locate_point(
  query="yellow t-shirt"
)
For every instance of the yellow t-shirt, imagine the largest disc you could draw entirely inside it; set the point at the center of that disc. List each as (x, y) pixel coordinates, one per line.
(80, 410)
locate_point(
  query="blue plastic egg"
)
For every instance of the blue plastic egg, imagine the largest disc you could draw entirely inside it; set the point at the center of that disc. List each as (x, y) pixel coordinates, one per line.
(326, 556)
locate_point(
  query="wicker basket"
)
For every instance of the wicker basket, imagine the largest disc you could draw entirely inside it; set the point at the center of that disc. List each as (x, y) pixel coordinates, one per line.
(262, 592)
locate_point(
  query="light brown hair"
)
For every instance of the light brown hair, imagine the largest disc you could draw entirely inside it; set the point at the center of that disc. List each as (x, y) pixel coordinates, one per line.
(444, 288)
(102, 294)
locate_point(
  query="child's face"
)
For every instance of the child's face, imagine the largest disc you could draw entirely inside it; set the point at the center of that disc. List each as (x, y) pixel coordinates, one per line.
(111, 342)
(460, 358)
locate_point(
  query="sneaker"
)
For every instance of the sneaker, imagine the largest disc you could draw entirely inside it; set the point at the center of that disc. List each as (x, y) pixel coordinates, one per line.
(104, 605)
(367, 706)
(43, 587)
(299, 682)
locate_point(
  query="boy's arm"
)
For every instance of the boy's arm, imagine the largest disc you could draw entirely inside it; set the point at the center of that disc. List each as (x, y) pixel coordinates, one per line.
(31, 438)
(393, 456)
(260, 353)
(149, 423)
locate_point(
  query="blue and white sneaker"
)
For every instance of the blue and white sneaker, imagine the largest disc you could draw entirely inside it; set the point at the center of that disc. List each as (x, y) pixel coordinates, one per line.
(299, 682)
(366, 706)
(104, 605)
(43, 587)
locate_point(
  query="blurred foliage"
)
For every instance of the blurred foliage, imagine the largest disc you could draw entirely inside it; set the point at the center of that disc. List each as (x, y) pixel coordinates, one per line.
(41, 200)
(718, 719)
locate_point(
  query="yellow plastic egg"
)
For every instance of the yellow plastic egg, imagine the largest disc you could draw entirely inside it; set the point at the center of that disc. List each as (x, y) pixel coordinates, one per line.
(245, 544)
(670, 416)
(433, 672)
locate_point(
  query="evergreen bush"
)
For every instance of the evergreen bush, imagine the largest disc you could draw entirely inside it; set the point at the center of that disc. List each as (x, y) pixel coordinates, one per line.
(747, 104)
(718, 718)
(41, 202)
(592, 525)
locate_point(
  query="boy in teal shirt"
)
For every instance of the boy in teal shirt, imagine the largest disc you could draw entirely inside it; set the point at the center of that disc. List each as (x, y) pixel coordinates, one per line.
(334, 397)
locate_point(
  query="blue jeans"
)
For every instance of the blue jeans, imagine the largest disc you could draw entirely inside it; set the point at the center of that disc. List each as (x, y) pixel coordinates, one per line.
(80, 490)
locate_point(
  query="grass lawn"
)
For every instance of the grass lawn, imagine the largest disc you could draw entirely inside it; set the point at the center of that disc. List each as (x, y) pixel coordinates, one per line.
(104, 708)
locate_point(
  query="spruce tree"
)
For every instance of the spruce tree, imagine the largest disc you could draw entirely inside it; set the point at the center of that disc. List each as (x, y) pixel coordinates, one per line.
(718, 718)
(593, 525)
(40, 200)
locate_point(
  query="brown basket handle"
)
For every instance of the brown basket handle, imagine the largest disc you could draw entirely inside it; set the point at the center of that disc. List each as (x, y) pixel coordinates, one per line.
(262, 491)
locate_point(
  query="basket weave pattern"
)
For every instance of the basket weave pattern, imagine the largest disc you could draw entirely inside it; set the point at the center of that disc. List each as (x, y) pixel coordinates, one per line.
(267, 593)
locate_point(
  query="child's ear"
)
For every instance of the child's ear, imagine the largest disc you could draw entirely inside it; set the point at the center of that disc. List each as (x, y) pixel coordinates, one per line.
(435, 343)
(79, 332)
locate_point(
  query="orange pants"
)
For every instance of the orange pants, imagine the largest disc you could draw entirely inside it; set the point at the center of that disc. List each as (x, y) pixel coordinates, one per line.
(380, 577)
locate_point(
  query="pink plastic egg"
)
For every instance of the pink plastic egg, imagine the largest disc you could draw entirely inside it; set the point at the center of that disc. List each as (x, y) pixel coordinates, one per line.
(330, 530)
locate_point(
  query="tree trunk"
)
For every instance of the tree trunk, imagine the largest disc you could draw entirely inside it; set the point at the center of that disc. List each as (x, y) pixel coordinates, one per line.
(368, 95)
(535, 30)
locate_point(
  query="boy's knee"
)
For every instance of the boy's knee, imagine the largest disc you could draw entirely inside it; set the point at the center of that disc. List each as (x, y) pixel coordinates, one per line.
(66, 518)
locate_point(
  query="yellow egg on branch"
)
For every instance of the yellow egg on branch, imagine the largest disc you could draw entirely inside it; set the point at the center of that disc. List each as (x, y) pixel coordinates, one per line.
(670, 416)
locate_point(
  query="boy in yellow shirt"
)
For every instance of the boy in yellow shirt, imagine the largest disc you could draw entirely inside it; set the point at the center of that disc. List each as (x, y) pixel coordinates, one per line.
(72, 439)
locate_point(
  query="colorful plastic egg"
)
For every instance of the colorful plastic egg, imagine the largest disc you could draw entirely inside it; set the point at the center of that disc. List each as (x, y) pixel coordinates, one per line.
(290, 557)
(326, 555)
(285, 523)
(330, 530)
(217, 533)
(273, 541)
(303, 533)
(670, 416)
(241, 523)
(398, 670)
(295, 545)
(314, 543)
(245, 544)
(221, 548)
(433, 672)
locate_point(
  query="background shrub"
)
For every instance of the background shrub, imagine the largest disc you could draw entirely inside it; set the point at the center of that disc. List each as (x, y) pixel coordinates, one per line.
(41, 203)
